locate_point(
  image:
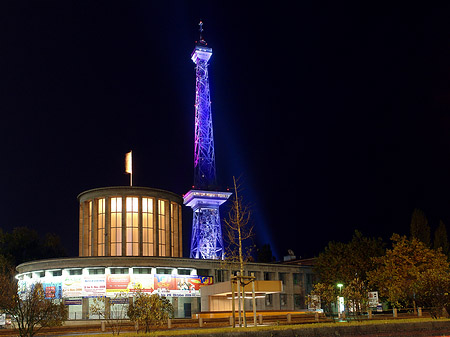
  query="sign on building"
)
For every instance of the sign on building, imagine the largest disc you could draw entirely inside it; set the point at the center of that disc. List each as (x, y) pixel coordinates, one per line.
(373, 299)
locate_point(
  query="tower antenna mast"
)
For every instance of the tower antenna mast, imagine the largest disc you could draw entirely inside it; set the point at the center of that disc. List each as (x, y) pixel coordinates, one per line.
(206, 240)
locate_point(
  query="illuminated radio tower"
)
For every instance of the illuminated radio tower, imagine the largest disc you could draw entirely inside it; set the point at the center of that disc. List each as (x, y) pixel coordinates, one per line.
(206, 240)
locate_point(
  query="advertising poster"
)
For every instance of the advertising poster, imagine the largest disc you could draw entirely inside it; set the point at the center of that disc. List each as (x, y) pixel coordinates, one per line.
(94, 286)
(117, 283)
(180, 285)
(165, 282)
(52, 290)
(72, 286)
(143, 282)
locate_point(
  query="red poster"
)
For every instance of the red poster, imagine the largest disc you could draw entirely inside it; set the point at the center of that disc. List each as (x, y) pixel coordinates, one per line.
(117, 282)
(165, 282)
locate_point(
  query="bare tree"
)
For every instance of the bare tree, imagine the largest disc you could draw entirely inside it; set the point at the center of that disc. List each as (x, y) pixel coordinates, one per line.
(29, 309)
(238, 231)
(113, 310)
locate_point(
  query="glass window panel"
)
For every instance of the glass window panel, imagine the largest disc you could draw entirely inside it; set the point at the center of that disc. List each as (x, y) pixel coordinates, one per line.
(116, 226)
(147, 226)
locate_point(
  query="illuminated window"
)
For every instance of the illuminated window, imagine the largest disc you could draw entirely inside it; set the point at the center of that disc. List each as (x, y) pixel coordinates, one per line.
(116, 226)
(147, 226)
(89, 219)
(173, 209)
(101, 226)
(162, 227)
(132, 226)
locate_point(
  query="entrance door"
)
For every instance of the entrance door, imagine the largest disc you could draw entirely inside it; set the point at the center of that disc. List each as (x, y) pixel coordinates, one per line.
(187, 310)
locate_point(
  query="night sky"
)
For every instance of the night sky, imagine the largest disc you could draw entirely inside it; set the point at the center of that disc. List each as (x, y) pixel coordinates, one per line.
(336, 116)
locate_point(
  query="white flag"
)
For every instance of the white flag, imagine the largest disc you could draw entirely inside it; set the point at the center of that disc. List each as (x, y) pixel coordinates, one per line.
(128, 163)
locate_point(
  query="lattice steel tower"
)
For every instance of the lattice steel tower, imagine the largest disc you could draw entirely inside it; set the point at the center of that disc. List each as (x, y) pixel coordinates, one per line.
(206, 240)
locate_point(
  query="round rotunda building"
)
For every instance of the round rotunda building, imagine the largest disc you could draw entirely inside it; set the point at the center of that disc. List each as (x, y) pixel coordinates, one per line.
(130, 221)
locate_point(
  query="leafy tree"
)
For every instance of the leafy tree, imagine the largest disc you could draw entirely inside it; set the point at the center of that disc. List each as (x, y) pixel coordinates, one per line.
(30, 310)
(23, 244)
(148, 310)
(343, 262)
(433, 290)
(419, 227)
(441, 238)
(326, 294)
(398, 272)
(349, 263)
(355, 294)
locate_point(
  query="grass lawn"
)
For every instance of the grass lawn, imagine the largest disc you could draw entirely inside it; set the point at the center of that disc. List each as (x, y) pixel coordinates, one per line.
(271, 327)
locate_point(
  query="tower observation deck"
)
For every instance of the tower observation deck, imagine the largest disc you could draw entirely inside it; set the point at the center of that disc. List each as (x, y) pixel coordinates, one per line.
(206, 239)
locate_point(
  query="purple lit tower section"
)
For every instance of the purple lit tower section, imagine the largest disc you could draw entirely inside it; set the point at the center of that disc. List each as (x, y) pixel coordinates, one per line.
(206, 240)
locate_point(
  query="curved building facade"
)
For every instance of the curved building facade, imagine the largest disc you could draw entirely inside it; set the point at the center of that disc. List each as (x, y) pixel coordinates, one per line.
(130, 238)
(130, 221)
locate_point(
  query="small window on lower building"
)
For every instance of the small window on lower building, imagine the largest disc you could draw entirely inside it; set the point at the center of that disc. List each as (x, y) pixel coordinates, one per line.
(220, 275)
(269, 300)
(142, 270)
(119, 270)
(75, 272)
(96, 271)
(283, 300)
(299, 301)
(184, 271)
(163, 271)
(56, 272)
(269, 276)
(203, 272)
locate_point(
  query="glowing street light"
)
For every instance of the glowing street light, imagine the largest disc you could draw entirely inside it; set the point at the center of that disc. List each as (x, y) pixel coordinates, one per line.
(340, 299)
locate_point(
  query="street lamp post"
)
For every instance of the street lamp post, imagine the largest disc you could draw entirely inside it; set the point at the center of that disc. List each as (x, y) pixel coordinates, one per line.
(340, 285)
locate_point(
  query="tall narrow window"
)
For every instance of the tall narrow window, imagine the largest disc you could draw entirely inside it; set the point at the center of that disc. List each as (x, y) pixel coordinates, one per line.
(162, 227)
(147, 226)
(173, 209)
(101, 226)
(89, 219)
(132, 226)
(116, 226)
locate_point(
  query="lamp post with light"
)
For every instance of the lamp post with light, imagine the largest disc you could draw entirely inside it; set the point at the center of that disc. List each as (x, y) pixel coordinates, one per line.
(340, 285)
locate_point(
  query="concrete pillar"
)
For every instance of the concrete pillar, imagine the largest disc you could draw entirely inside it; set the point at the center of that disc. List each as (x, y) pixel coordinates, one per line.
(200, 322)
(156, 227)
(85, 308)
(394, 312)
(140, 231)
(180, 232)
(419, 311)
(370, 313)
(124, 226)
(94, 226)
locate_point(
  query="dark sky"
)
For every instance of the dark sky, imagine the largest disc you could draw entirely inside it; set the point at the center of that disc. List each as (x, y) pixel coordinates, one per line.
(337, 116)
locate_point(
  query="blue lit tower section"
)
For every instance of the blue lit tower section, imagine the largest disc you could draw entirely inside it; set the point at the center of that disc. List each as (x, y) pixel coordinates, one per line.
(206, 240)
